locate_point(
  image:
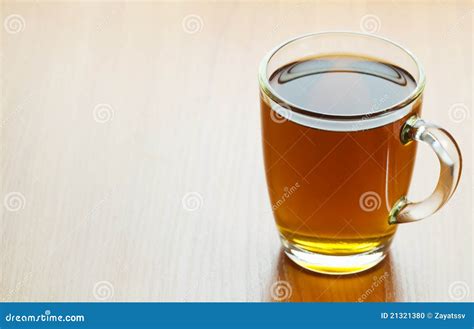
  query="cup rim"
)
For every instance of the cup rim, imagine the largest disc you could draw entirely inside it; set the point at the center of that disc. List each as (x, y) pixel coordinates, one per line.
(268, 90)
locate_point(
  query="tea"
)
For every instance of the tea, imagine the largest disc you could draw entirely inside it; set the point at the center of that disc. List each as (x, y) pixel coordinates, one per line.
(331, 191)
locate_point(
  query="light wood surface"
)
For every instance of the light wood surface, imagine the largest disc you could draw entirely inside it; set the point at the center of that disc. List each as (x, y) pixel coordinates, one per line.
(93, 194)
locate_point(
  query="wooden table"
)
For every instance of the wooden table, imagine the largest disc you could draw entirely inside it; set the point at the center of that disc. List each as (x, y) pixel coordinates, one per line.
(131, 156)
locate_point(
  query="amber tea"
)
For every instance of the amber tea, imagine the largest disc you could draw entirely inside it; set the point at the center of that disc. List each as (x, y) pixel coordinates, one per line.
(340, 116)
(312, 172)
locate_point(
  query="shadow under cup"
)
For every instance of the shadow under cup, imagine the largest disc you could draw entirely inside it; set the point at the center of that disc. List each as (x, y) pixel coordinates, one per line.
(334, 178)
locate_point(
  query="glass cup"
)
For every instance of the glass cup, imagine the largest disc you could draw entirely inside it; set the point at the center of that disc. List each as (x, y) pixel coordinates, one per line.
(338, 183)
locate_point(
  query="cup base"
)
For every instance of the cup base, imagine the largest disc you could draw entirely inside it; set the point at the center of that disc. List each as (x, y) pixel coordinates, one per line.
(334, 264)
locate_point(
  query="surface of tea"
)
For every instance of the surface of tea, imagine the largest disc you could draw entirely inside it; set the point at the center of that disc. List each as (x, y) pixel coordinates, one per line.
(331, 192)
(342, 85)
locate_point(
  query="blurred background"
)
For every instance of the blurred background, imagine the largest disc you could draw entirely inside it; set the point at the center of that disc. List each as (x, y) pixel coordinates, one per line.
(131, 161)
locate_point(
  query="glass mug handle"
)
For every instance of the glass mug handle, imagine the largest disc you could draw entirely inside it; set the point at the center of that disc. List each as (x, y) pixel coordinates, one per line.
(450, 160)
